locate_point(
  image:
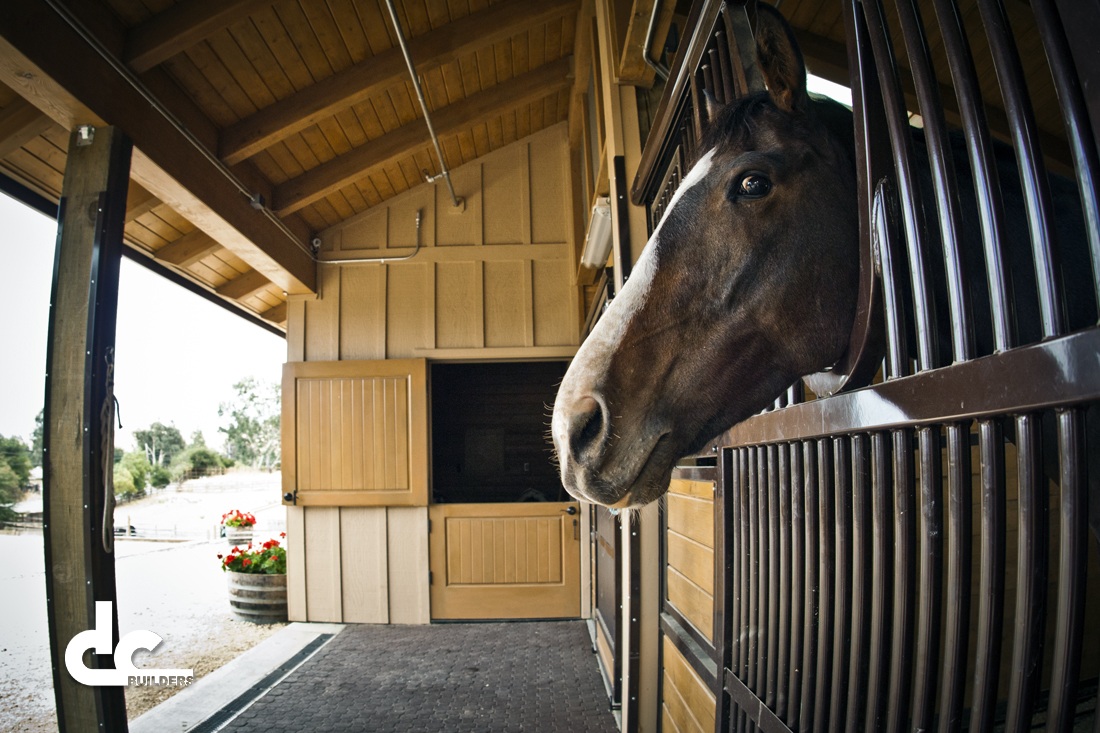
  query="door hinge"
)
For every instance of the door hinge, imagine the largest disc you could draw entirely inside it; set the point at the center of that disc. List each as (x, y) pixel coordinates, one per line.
(430, 578)
(429, 526)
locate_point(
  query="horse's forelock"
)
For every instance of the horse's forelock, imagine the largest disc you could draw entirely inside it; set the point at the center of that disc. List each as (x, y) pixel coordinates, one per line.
(739, 123)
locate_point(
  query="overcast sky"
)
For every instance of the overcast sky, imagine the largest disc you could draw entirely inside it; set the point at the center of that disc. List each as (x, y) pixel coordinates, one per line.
(176, 355)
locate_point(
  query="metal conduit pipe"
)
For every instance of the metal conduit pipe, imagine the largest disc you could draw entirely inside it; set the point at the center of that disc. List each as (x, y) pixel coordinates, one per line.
(423, 105)
(255, 199)
(383, 259)
(657, 67)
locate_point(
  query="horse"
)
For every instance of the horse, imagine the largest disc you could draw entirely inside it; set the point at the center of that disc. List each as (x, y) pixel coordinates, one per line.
(747, 283)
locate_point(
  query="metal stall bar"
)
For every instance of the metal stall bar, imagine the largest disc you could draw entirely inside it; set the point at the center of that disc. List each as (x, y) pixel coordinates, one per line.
(783, 621)
(826, 583)
(957, 593)
(991, 582)
(987, 189)
(905, 515)
(842, 613)
(1033, 176)
(862, 543)
(930, 593)
(769, 454)
(1031, 576)
(882, 509)
(909, 194)
(798, 584)
(810, 620)
(944, 183)
(1072, 566)
(1078, 132)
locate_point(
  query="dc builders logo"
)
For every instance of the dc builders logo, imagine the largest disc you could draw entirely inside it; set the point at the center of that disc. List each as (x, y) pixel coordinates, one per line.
(124, 673)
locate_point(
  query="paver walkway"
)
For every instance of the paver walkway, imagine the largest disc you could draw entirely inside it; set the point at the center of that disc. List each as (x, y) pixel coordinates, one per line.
(536, 676)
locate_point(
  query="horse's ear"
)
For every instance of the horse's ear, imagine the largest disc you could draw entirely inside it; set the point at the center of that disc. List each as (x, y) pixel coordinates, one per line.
(780, 60)
(711, 107)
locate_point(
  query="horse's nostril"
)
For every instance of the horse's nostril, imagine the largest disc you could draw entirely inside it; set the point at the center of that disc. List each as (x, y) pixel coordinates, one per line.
(588, 425)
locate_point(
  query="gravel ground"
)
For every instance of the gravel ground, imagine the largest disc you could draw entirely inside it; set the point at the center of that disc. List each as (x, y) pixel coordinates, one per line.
(176, 590)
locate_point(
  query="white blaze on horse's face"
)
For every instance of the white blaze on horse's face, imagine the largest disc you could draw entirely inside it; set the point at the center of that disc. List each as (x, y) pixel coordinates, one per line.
(581, 416)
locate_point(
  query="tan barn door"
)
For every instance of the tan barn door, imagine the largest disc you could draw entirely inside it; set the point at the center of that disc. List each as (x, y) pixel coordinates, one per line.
(519, 560)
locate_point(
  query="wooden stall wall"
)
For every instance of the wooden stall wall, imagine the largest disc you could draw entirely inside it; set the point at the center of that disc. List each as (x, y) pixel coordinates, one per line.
(688, 610)
(493, 279)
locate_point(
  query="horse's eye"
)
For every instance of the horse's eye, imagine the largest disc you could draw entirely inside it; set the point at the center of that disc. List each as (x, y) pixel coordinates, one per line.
(754, 186)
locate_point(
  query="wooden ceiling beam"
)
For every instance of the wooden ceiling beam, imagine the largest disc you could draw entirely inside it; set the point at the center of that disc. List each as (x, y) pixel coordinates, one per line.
(243, 286)
(74, 85)
(632, 66)
(276, 314)
(181, 26)
(188, 249)
(139, 201)
(352, 166)
(367, 78)
(21, 122)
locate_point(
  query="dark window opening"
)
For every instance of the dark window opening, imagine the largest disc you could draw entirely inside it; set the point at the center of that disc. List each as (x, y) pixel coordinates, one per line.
(490, 426)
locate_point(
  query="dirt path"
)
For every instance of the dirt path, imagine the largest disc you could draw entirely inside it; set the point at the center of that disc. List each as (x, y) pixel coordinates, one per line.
(176, 590)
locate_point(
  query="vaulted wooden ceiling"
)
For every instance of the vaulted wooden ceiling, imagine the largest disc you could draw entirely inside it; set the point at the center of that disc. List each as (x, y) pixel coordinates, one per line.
(257, 124)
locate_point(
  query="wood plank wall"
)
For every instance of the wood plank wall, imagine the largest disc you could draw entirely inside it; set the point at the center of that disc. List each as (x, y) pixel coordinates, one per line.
(493, 280)
(687, 705)
(689, 575)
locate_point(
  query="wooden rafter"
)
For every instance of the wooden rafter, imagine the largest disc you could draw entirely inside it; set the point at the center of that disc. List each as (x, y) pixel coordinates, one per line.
(165, 162)
(21, 122)
(367, 78)
(276, 315)
(188, 249)
(632, 66)
(139, 201)
(182, 26)
(243, 286)
(343, 170)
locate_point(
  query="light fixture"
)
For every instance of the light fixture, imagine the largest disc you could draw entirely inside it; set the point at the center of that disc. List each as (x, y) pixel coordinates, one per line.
(597, 243)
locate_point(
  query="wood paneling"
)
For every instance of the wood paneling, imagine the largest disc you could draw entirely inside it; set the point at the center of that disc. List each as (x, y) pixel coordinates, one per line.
(686, 702)
(408, 565)
(459, 294)
(324, 595)
(355, 433)
(364, 572)
(296, 563)
(689, 547)
(505, 561)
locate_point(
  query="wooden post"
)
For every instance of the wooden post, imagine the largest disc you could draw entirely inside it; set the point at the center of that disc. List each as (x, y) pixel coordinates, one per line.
(78, 440)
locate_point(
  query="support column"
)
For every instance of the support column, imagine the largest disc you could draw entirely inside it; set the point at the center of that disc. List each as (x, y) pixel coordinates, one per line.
(78, 441)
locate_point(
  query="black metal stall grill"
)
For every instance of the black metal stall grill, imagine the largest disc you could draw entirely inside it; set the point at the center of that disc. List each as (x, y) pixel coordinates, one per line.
(913, 551)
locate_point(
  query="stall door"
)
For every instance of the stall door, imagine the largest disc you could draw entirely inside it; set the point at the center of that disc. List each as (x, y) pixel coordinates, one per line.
(500, 561)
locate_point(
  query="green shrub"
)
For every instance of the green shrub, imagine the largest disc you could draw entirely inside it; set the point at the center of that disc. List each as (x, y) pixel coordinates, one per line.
(160, 477)
(125, 487)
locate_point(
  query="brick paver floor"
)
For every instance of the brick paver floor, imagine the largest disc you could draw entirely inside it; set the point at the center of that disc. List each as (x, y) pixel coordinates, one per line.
(536, 676)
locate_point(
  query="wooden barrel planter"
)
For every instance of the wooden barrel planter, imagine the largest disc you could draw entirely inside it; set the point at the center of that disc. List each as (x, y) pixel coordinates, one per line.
(238, 536)
(258, 598)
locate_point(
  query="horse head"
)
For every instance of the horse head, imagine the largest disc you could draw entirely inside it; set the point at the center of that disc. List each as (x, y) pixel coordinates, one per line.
(747, 283)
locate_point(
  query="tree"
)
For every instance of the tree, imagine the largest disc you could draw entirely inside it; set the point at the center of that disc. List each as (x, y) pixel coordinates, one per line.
(160, 443)
(37, 442)
(134, 466)
(15, 453)
(253, 435)
(9, 492)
